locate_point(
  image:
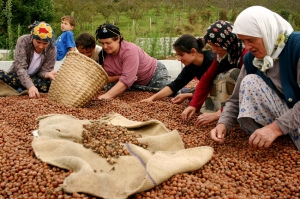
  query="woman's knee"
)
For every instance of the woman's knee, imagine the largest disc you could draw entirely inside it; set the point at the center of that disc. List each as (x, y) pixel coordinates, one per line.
(251, 81)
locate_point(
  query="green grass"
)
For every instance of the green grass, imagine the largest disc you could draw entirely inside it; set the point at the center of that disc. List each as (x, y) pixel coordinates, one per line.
(163, 26)
(166, 24)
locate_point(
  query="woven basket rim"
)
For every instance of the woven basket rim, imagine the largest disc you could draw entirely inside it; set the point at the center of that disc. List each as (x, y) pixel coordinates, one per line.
(82, 56)
(88, 59)
(78, 80)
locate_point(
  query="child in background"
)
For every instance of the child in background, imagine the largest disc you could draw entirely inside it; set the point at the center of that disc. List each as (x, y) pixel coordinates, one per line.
(65, 41)
(86, 44)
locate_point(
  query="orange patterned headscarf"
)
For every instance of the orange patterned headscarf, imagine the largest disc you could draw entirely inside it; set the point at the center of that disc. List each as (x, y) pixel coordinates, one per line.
(42, 31)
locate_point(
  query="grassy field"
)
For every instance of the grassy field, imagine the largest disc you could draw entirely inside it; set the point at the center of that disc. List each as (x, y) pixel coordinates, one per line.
(163, 29)
(154, 32)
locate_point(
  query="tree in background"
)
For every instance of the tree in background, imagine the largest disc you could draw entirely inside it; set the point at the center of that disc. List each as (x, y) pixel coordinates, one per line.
(83, 11)
(136, 18)
(3, 21)
(8, 15)
(23, 13)
(135, 11)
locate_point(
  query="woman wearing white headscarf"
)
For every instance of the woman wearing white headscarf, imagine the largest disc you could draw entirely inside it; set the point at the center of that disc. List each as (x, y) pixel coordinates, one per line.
(265, 100)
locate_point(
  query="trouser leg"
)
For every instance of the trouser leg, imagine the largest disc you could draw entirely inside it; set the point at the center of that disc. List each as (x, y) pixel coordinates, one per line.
(13, 81)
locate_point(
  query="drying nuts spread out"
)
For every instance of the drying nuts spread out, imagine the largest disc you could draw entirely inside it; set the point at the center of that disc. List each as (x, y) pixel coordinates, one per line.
(108, 140)
(233, 172)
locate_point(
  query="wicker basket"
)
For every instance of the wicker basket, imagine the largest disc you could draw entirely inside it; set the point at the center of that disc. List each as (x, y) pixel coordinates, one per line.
(77, 81)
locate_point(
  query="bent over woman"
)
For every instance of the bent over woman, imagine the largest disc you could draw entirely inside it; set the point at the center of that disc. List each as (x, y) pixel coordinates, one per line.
(190, 51)
(34, 60)
(225, 68)
(127, 65)
(266, 97)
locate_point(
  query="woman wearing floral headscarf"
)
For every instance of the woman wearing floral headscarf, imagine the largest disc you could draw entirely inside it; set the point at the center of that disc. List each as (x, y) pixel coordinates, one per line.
(34, 60)
(227, 64)
(265, 100)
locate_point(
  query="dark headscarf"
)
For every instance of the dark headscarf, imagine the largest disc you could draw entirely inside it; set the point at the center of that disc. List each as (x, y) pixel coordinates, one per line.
(107, 30)
(220, 34)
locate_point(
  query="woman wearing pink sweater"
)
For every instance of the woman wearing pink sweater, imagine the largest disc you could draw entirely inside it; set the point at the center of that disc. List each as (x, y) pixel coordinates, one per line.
(127, 65)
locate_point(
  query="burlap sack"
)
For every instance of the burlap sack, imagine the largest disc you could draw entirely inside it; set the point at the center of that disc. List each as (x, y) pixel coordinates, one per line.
(142, 170)
(6, 90)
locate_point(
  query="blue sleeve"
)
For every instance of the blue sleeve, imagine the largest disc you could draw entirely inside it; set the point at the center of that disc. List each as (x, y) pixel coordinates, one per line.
(63, 43)
(69, 38)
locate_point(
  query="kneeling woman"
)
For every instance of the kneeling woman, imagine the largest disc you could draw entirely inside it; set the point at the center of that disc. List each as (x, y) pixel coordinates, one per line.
(191, 52)
(225, 68)
(34, 60)
(127, 65)
(266, 97)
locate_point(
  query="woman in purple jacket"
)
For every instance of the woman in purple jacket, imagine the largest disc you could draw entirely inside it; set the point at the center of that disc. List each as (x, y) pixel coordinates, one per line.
(34, 60)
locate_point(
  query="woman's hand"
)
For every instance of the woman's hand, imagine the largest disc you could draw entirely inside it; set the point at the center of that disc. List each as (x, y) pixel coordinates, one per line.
(50, 75)
(188, 113)
(206, 118)
(264, 137)
(218, 133)
(105, 96)
(181, 97)
(33, 92)
(147, 100)
(117, 89)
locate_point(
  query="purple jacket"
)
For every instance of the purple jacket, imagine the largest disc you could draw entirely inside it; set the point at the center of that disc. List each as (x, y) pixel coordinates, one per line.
(23, 55)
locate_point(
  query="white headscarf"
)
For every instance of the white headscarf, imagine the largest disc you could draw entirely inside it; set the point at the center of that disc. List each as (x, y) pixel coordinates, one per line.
(258, 21)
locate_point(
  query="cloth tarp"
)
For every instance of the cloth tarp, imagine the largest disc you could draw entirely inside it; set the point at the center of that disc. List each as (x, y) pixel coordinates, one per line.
(6, 90)
(57, 144)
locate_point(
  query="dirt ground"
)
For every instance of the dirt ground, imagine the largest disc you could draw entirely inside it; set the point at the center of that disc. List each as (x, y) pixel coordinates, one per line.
(235, 171)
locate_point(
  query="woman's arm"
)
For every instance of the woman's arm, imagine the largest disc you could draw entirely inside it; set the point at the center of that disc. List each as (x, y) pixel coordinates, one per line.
(181, 97)
(21, 60)
(114, 91)
(185, 76)
(114, 78)
(128, 59)
(204, 85)
(290, 120)
(50, 75)
(207, 118)
(48, 61)
(166, 91)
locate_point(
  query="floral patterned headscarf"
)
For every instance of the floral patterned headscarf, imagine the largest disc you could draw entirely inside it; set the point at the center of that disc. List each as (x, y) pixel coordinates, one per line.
(258, 21)
(220, 34)
(42, 31)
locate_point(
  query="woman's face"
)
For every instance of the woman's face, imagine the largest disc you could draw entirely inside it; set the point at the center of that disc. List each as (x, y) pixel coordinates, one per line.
(39, 45)
(184, 57)
(255, 45)
(218, 50)
(110, 46)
